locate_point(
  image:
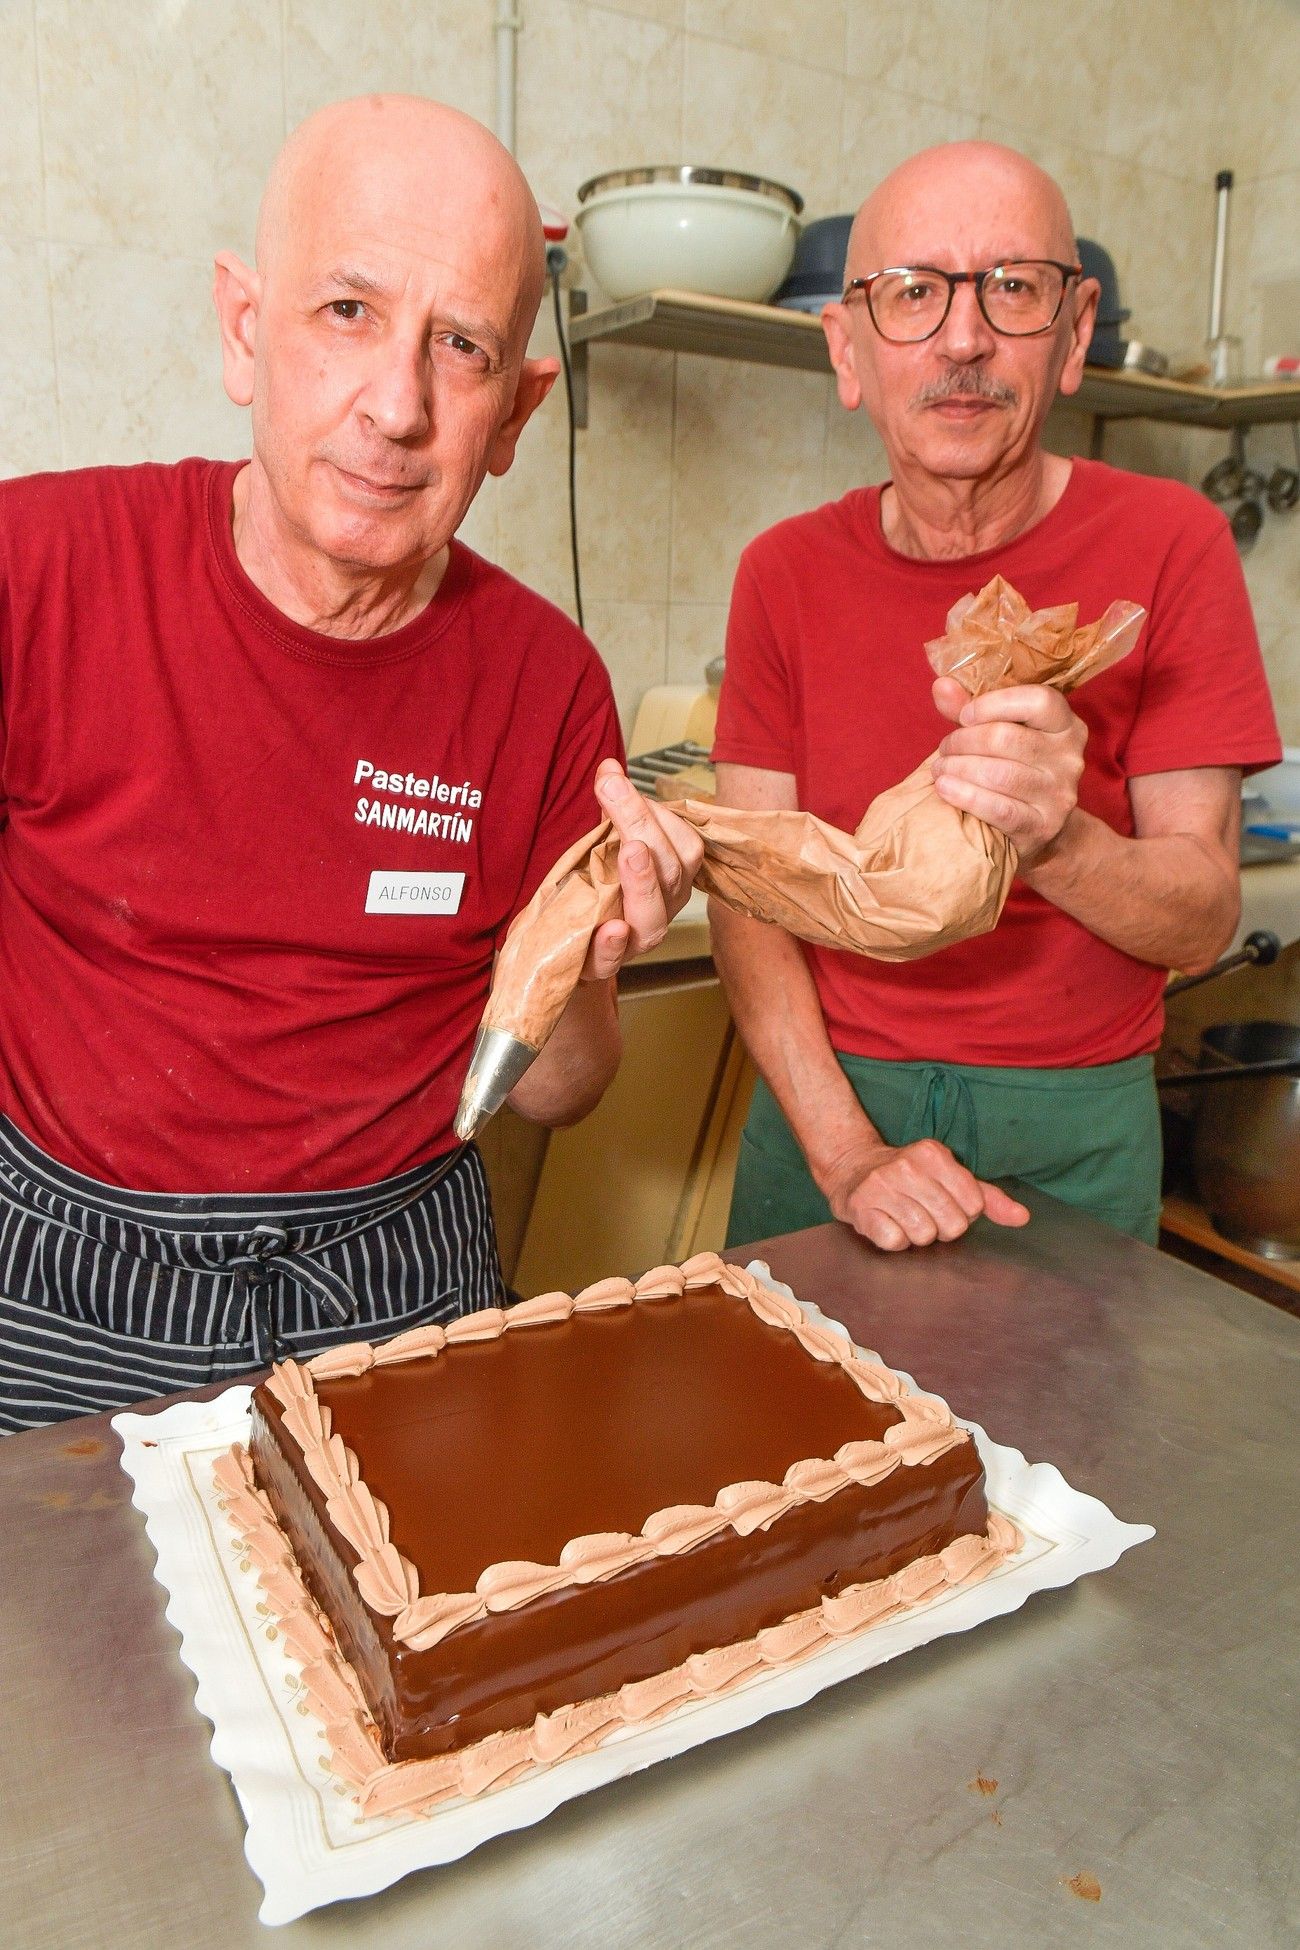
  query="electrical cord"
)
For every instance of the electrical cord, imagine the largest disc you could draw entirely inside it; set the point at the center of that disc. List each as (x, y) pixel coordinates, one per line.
(573, 441)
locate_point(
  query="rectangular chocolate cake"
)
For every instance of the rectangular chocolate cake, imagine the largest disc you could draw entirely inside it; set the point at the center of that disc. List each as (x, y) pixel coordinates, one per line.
(495, 1544)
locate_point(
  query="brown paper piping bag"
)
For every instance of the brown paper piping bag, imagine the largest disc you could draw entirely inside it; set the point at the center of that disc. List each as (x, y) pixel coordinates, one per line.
(542, 955)
(917, 874)
(537, 971)
(994, 639)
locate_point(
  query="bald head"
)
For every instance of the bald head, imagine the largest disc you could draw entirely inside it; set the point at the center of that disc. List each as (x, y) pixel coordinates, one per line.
(382, 341)
(960, 393)
(973, 201)
(403, 170)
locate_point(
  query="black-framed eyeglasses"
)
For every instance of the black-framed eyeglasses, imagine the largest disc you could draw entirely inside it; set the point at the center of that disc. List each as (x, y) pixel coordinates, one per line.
(908, 303)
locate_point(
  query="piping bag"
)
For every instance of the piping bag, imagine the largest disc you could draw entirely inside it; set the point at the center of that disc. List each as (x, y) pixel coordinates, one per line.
(916, 875)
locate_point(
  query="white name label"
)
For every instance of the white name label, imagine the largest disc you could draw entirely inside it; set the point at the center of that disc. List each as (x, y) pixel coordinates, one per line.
(414, 893)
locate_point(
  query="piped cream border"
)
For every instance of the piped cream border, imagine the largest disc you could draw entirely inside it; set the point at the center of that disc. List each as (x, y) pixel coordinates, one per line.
(332, 1692)
(388, 1582)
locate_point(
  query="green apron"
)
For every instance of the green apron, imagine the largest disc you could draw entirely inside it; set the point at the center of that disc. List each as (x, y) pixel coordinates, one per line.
(1090, 1137)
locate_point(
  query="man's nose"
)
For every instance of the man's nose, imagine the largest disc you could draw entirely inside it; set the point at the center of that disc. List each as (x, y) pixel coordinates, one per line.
(965, 334)
(397, 398)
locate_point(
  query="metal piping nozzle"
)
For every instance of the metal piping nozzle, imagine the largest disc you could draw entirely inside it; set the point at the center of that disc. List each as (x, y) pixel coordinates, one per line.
(498, 1062)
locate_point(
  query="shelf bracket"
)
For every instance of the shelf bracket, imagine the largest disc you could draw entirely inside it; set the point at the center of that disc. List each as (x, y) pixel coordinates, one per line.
(578, 358)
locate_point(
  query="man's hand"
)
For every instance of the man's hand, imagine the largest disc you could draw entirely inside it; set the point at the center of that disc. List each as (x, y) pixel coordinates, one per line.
(912, 1194)
(1015, 761)
(659, 856)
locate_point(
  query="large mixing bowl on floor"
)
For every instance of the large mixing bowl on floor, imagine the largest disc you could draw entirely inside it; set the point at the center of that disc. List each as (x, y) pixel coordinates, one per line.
(1246, 1141)
(677, 228)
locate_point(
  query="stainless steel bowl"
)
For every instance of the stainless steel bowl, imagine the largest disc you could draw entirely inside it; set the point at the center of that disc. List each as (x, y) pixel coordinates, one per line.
(1246, 1140)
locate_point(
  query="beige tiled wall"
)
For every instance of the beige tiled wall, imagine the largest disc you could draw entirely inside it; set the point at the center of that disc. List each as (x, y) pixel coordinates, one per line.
(134, 135)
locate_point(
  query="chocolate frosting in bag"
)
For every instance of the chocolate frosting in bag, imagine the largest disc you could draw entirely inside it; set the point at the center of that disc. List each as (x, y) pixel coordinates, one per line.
(916, 875)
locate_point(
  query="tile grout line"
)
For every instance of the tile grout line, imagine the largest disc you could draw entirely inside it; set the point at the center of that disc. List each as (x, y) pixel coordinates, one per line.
(670, 563)
(673, 400)
(685, 33)
(284, 65)
(986, 51)
(45, 236)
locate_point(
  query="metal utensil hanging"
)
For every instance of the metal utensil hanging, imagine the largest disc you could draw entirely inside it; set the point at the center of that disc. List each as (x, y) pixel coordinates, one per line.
(1233, 479)
(1283, 488)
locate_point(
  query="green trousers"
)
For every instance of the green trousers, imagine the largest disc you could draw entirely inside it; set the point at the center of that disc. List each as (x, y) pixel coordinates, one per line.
(1090, 1137)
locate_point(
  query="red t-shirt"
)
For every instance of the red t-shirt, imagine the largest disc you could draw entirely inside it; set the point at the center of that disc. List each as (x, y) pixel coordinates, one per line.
(213, 976)
(827, 678)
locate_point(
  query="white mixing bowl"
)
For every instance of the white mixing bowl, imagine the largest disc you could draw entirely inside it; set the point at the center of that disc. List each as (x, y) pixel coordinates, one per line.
(713, 231)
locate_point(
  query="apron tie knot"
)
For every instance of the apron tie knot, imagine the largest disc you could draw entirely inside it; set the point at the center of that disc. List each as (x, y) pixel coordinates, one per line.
(268, 1252)
(264, 1242)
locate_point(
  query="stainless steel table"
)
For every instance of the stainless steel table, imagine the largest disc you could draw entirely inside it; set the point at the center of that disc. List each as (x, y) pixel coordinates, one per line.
(1136, 1733)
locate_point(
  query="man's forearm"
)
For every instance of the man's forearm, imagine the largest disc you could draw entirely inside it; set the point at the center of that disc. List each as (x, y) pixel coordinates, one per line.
(577, 1064)
(1169, 899)
(775, 1007)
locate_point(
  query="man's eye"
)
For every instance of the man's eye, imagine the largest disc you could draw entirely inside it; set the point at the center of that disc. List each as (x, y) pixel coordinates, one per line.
(348, 308)
(466, 347)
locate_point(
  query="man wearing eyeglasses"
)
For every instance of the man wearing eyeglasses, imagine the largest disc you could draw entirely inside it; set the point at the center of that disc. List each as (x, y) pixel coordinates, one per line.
(893, 1095)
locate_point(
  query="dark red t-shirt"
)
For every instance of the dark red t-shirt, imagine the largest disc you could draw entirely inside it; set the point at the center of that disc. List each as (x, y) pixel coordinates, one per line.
(827, 678)
(216, 969)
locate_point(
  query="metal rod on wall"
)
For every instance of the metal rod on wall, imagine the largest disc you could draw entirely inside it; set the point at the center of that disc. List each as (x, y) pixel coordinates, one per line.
(509, 20)
(1219, 272)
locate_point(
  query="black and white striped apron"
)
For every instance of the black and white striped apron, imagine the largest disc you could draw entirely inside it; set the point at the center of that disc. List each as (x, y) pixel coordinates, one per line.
(108, 1297)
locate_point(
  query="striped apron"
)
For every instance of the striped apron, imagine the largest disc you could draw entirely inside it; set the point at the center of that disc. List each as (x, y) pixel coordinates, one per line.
(108, 1297)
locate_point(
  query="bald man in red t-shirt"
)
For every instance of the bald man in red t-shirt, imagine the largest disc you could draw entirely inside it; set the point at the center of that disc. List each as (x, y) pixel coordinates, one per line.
(279, 760)
(892, 1095)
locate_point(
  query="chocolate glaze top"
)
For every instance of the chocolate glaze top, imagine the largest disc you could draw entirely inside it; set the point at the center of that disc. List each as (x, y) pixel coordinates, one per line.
(587, 1425)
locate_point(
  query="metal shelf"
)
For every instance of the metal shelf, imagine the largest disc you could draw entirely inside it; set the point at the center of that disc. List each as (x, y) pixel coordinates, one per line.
(724, 328)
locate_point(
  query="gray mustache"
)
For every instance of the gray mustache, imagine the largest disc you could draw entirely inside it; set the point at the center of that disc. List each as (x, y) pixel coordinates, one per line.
(966, 383)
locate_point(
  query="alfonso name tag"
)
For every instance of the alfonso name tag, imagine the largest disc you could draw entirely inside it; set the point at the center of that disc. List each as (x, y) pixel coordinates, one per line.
(414, 893)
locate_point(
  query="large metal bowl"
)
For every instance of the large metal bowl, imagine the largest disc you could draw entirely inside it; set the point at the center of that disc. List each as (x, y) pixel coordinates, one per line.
(1246, 1140)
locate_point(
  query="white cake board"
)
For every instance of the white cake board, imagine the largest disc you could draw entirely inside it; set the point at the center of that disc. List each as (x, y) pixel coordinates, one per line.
(305, 1841)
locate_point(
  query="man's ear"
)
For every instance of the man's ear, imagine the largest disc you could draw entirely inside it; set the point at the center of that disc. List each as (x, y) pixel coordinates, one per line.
(835, 324)
(1085, 317)
(536, 378)
(236, 293)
